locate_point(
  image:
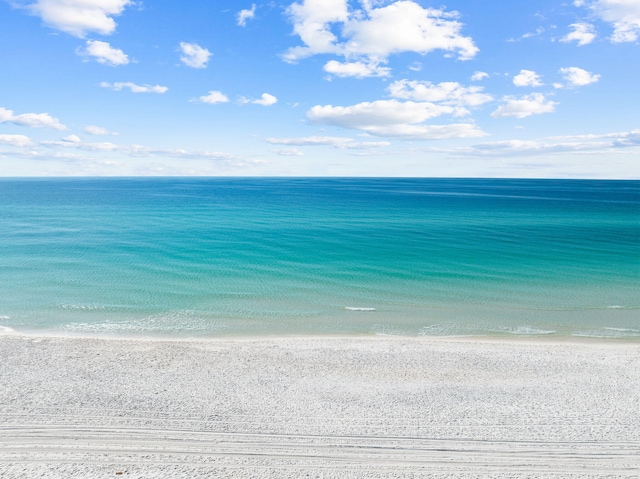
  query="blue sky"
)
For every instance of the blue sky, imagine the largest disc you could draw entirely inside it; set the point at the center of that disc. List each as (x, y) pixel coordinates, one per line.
(320, 88)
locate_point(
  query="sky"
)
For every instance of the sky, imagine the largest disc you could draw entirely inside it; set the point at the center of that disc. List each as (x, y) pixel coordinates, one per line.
(412, 88)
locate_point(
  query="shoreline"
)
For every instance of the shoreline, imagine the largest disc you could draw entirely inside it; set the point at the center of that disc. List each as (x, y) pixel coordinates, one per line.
(334, 407)
(497, 338)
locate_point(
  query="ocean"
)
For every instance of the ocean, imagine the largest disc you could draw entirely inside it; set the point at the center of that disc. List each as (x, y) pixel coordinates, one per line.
(212, 257)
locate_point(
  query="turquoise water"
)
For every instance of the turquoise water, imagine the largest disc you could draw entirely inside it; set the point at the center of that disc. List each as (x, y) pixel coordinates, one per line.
(210, 257)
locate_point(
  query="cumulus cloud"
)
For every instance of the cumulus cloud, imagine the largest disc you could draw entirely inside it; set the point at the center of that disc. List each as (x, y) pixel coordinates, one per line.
(214, 97)
(97, 130)
(394, 119)
(448, 93)
(525, 106)
(33, 120)
(623, 15)
(72, 139)
(334, 141)
(16, 140)
(265, 99)
(104, 53)
(582, 33)
(356, 69)
(117, 86)
(246, 14)
(79, 17)
(527, 78)
(578, 77)
(369, 35)
(477, 76)
(193, 55)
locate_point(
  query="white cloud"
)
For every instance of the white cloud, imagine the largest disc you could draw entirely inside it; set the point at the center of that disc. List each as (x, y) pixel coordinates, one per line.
(553, 145)
(79, 17)
(527, 78)
(16, 140)
(356, 69)
(624, 15)
(477, 76)
(104, 53)
(392, 118)
(334, 141)
(288, 152)
(370, 35)
(246, 14)
(33, 120)
(138, 150)
(582, 33)
(214, 97)
(117, 86)
(265, 99)
(193, 55)
(97, 130)
(72, 139)
(578, 77)
(448, 93)
(525, 106)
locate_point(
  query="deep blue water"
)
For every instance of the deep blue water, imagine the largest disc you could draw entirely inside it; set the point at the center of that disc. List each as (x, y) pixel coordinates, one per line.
(203, 257)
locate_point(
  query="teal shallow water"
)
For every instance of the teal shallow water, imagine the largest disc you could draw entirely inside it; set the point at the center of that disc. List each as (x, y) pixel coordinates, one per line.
(208, 257)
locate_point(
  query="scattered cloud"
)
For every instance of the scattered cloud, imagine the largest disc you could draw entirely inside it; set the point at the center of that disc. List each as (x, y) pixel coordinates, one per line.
(246, 14)
(369, 35)
(72, 139)
(539, 31)
(79, 17)
(552, 145)
(138, 150)
(527, 78)
(104, 53)
(447, 93)
(117, 86)
(334, 141)
(288, 152)
(33, 120)
(193, 55)
(356, 69)
(477, 76)
(265, 99)
(583, 34)
(623, 15)
(97, 130)
(578, 77)
(16, 140)
(214, 97)
(393, 119)
(525, 106)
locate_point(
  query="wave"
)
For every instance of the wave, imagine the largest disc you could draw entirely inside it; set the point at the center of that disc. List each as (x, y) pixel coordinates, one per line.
(355, 308)
(529, 331)
(607, 333)
(82, 307)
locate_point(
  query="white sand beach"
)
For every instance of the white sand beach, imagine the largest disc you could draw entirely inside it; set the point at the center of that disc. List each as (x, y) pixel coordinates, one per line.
(380, 407)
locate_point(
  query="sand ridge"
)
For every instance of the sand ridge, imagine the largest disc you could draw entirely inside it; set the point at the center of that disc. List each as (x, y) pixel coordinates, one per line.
(318, 407)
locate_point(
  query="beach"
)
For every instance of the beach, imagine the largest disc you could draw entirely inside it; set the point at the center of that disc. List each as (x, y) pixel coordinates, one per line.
(326, 407)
